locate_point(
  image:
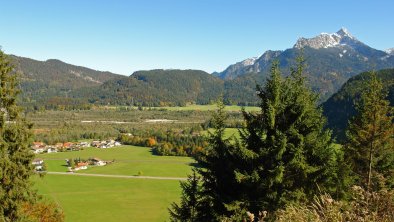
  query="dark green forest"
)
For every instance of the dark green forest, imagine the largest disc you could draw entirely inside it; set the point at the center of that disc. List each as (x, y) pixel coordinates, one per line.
(340, 107)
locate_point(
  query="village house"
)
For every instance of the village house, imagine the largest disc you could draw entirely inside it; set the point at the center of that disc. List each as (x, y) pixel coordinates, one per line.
(98, 162)
(68, 145)
(38, 164)
(95, 143)
(83, 144)
(38, 147)
(105, 144)
(51, 149)
(81, 166)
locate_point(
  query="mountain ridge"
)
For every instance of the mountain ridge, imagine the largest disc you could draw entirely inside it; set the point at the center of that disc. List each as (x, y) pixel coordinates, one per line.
(331, 58)
(42, 80)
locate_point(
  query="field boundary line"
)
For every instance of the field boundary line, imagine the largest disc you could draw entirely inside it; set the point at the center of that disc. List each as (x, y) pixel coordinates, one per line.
(116, 176)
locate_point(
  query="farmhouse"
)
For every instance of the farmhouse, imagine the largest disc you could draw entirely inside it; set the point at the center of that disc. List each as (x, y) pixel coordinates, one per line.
(81, 166)
(83, 144)
(38, 164)
(98, 162)
(38, 147)
(51, 149)
(68, 146)
(105, 144)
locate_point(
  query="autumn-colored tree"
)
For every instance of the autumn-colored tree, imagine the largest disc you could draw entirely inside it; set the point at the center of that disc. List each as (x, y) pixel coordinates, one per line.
(42, 212)
(151, 142)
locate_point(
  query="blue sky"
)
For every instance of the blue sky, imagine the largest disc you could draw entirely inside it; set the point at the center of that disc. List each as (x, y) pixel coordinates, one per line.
(126, 36)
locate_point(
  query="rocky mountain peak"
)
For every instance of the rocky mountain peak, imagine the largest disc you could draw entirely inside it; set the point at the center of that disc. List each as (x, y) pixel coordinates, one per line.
(326, 40)
(390, 51)
(343, 32)
(249, 61)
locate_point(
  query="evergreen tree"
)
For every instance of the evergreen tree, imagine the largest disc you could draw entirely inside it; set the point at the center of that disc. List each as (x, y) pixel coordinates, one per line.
(190, 201)
(219, 187)
(15, 157)
(285, 154)
(370, 142)
(218, 193)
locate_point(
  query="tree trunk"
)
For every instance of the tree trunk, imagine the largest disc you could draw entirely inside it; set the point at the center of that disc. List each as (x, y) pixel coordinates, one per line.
(370, 168)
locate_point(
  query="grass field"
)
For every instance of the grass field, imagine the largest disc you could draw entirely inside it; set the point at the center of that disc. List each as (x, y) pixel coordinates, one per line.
(187, 108)
(228, 132)
(129, 160)
(85, 198)
(209, 108)
(109, 199)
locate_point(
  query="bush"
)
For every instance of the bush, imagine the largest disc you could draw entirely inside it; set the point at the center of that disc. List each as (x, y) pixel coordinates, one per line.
(364, 206)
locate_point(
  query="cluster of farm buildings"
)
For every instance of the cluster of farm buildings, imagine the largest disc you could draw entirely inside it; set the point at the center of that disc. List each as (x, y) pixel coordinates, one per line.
(38, 164)
(40, 147)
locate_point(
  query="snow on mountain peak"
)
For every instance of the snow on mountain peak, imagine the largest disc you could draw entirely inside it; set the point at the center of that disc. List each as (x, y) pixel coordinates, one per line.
(326, 40)
(390, 51)
(249, 62)
(343, 32)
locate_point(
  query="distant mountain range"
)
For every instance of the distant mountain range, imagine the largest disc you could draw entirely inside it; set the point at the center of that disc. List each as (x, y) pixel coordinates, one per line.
(331, 58)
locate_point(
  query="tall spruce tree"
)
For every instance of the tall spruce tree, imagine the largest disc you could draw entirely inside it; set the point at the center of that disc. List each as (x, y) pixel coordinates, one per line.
(370, 138)
(188, 209)
(219, 188)
(15, 157)
(217, 193)
(285, 154)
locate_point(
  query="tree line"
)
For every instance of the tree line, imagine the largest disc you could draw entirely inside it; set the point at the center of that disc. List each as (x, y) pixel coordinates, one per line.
(167, 143)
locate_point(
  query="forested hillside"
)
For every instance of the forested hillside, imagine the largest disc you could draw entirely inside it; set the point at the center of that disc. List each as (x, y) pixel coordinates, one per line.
(51, 81)
(158, 88)
(53, 84)
(339, 108)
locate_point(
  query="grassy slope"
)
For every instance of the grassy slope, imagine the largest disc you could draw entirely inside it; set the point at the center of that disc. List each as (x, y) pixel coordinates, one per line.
(129, 160)
(110, 199)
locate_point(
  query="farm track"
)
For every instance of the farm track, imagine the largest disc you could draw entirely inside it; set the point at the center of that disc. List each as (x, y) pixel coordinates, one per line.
(139, 161)
(116, 176)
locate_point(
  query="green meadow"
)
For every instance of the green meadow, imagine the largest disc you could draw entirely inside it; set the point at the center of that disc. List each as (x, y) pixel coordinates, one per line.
(194, 107)
(209, 108)
(228, 132)
(128, 160)
(89, 198)
(101, 199)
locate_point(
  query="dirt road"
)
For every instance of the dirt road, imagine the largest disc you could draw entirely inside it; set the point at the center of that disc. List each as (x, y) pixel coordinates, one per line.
(117, 176)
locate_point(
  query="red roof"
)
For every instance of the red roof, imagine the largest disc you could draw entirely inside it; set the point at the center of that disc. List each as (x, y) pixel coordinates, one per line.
(38, 144)
(82, 164)
(67, 144)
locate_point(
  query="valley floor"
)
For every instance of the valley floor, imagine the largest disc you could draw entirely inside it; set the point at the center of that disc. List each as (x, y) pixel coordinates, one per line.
(115, 192)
